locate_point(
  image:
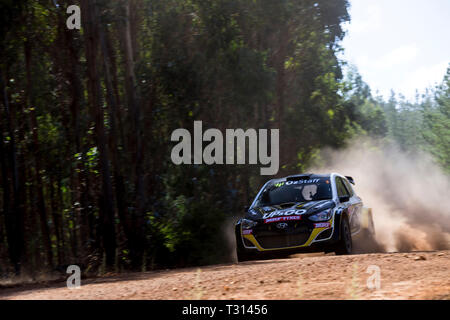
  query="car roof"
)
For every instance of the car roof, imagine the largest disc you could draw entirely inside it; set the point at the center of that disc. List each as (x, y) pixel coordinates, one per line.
(302, 175)
(310, 175)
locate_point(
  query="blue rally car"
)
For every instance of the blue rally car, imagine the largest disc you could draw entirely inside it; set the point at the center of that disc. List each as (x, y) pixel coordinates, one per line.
(306, 212)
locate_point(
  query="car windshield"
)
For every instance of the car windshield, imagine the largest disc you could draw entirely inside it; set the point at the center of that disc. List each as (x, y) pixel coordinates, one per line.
(283, 192)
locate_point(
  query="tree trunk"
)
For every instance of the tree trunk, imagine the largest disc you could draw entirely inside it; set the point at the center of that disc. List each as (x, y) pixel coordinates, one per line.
(4, 178)
(95, 100)
(37, 161)
(136, 145)
(56, 221)
(76, 106)
(59, 196)
(14, 222)
(113, 137)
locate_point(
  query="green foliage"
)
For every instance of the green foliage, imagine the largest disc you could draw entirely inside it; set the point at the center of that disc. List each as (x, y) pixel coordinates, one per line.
(420, 125)
(437, 124)
(232, 64)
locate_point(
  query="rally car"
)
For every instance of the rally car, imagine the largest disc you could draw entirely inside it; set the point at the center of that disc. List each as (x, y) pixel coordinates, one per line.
(305, 212)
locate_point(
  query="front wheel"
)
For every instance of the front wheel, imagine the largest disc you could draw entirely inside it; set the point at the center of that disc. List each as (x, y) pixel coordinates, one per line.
(345, 245)
(242, 253)
(243, 256)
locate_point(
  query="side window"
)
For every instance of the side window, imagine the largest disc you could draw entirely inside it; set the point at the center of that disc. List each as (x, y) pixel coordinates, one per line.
(341, 190)
(349, 188)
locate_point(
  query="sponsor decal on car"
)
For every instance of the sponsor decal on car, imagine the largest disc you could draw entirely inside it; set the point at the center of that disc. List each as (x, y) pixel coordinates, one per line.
(321, 204)
(322, 225)
(288, 183)
(289, 212)
(248, 231)
(278, 219)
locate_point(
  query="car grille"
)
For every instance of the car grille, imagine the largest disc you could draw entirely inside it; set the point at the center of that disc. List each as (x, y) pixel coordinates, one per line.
(270, 237)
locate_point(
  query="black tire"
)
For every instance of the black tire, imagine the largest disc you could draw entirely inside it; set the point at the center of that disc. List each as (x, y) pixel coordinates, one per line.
(345, 244)
(243, 256)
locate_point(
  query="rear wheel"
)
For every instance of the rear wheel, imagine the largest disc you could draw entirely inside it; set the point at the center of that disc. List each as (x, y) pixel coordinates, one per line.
(344, 245)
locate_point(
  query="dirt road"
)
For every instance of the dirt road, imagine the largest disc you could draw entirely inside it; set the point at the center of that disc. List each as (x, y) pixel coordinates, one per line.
(415, 275)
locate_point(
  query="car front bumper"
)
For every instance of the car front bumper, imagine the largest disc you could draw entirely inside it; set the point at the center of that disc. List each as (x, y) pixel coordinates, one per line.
(296, 235)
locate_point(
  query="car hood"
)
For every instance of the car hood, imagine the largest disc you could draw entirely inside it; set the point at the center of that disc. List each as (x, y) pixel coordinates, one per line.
(294, 209)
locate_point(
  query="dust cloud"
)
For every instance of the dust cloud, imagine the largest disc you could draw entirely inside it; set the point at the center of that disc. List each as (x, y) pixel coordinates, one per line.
(408, 193)
(230, 239)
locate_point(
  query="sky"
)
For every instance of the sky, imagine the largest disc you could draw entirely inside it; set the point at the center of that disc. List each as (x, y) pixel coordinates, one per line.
(402, 45)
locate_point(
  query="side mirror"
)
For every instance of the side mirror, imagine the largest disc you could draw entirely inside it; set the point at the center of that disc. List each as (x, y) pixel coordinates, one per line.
(344, 199)
(246, 208)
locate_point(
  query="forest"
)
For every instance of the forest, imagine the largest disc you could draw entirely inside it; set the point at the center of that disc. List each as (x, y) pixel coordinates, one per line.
(86, 118)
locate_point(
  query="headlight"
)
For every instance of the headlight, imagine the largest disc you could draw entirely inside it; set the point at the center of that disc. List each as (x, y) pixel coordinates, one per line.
(321, 216)
(248, 224)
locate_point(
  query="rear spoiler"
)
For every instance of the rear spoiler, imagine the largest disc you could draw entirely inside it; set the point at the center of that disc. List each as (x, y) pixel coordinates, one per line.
(350, 179)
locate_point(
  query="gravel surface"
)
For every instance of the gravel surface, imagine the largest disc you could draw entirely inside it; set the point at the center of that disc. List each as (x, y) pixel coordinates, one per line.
(414, 275)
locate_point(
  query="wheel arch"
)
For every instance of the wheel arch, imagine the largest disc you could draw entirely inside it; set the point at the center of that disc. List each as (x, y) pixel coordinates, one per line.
(340, 215)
